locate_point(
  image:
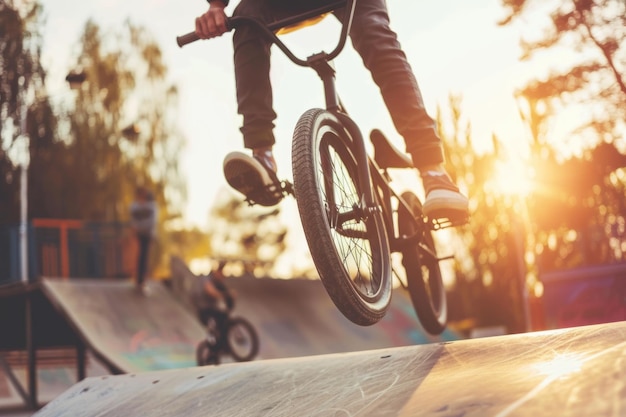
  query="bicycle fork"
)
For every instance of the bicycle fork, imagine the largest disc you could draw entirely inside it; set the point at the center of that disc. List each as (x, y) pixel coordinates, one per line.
(320, 63)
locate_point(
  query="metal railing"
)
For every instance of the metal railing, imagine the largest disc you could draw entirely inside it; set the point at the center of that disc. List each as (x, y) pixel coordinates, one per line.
(68, 248)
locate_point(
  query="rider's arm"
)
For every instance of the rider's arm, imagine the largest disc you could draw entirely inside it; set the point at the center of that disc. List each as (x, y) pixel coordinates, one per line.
(212, 291)
(213, 22)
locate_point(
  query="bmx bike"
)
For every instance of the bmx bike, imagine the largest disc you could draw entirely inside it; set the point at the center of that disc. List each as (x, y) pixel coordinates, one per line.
(227, 336)
(353, 220)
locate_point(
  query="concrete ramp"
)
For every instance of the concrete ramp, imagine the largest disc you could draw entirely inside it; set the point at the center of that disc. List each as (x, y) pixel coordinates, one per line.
(132, 333)
(127, 331)
(296, 317)
(572, 372)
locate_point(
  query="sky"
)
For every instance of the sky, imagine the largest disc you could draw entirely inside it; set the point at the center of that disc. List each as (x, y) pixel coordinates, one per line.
(454, 46)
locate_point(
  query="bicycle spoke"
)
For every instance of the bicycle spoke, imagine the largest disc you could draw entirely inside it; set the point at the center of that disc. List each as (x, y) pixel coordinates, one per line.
(348, 243)
(346, 221)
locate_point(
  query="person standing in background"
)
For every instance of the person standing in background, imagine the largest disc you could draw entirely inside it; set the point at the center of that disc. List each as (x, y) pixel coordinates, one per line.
(143, 215)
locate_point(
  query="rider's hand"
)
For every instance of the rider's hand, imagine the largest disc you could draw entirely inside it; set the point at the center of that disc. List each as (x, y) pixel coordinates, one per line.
(213, 22)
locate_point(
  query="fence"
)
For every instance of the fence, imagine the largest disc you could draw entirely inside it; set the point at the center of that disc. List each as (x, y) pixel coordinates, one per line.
(68, 248)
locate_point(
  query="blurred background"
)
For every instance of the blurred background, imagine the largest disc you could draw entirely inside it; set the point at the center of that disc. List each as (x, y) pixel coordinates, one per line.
(530, 98)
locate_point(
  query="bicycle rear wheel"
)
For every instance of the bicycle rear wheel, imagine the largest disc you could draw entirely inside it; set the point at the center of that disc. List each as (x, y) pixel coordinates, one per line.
(421, 265)
(242, 339)
(348, 242)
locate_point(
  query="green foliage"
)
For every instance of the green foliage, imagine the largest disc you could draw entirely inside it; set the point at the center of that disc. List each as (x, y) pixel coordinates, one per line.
(19, 62)
(574, 212)
(593, 77)
(19, 70)
(490, 249)
(126, 86)
(577, 207)
(84, 162)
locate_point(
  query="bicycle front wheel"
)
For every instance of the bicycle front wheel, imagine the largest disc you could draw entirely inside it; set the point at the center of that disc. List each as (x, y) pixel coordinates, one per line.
(347, 240)
(423, 275)
(206, 355)
(242, 339)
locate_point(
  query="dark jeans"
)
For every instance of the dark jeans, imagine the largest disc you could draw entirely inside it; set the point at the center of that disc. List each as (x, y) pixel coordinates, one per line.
(380, 50)
(221, 318)
(142, 258)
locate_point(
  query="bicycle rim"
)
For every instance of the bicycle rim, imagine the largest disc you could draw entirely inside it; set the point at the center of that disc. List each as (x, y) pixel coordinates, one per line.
(242, 340)
(348, 243)
(423, 274)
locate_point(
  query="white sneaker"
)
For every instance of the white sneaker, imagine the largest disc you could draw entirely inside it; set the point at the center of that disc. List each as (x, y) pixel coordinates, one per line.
(443, 198)
(248, 175)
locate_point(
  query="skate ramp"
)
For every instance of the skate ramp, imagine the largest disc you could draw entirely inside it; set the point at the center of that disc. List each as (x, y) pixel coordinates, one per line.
(127, 331)
(571, 372)
(297, 318)
(130, 332)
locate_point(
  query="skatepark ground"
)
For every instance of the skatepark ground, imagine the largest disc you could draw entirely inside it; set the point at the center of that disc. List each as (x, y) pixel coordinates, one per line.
(572, 372)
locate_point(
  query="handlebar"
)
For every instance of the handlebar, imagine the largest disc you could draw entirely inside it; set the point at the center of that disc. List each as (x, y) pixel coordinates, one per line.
(270, 29)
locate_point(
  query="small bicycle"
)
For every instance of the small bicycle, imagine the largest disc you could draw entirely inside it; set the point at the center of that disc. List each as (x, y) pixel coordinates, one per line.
(226, 335)
(352, 218)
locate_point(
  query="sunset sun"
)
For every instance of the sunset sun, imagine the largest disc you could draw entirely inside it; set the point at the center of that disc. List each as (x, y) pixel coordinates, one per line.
(513, 177)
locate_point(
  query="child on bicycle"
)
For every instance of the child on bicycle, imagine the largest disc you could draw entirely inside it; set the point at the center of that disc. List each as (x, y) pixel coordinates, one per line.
(380, 50)
(212, 297)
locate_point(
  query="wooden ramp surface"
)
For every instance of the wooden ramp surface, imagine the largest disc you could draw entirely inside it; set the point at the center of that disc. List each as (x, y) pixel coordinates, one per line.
(133, 333)
(572, 372)
(128, 331)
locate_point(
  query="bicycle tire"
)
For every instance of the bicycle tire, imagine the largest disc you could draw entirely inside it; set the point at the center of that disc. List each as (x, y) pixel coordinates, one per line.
(348, 245)
(423, 274)
(205, 355)
(239, 327)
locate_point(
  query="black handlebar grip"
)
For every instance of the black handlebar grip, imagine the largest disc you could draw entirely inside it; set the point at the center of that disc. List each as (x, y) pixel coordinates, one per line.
(187, 38)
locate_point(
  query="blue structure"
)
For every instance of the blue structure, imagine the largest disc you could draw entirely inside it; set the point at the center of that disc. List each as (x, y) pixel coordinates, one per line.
(86, 250)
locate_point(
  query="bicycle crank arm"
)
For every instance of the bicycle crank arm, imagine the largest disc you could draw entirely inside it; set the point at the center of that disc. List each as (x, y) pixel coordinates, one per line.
(429, 252)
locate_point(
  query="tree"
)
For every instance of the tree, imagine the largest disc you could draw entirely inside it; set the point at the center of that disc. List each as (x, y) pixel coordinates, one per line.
(253, 235)
(82, 165)
(489, 251)
(122, 134)
(592, 33)
(574, 213)
(85, 161)
(103, 161)
(579, 207)
(20, 73)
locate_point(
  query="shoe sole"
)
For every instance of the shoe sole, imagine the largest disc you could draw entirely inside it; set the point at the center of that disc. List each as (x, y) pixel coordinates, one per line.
(250, 178)
(443, 204)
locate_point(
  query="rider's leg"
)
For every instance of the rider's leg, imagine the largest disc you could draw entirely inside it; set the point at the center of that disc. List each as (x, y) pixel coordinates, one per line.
(251, 57)
(252, 77)
(253, 175)
(378, 45)
(252, 72)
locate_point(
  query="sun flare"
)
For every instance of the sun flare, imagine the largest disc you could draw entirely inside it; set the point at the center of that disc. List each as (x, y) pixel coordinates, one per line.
(561, 365)
(513, 177)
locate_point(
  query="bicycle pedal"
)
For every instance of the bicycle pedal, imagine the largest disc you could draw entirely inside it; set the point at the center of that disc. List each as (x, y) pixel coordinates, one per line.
(444, 222)
(270, 195)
